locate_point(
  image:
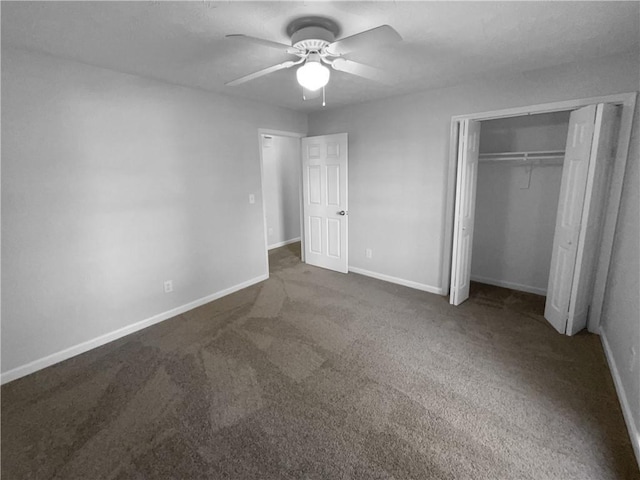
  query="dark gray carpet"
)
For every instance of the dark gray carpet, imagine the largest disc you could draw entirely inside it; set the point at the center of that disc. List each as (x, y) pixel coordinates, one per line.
(319, 375)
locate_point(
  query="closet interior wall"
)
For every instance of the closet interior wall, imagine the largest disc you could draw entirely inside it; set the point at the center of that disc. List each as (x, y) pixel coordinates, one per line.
(517, 201)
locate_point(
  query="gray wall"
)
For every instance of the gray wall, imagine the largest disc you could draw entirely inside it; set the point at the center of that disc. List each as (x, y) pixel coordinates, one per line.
(281, 185)
(544, 131)
(111, 184)
(398, 157)
(514, 226)
(398, 153)
(621, 316)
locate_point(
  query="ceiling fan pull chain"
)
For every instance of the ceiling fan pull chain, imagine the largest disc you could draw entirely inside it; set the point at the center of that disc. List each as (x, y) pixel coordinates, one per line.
(323, 98)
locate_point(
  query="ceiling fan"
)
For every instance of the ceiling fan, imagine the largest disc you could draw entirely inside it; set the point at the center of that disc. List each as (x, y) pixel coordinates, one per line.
(313, 41)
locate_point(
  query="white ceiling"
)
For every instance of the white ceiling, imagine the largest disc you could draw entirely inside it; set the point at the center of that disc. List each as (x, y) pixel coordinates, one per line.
(444, 42)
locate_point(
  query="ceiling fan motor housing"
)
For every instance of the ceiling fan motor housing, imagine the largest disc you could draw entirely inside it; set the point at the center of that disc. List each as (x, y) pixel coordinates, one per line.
(312, 39)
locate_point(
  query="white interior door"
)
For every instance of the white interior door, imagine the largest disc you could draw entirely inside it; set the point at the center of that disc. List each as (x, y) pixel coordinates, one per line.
(325, 201)
(467, 179)
(600, 168)
(573, 187)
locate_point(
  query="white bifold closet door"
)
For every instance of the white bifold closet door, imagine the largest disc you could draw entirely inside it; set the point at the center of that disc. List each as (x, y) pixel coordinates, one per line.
(325, 201)
(585, 176)
(466, 183)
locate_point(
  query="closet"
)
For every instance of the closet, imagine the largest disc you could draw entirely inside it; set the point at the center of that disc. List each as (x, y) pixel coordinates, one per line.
(530, 214)
(519, 176)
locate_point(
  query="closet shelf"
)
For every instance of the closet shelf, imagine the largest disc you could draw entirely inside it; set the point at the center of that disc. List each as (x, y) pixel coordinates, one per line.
(543, 156)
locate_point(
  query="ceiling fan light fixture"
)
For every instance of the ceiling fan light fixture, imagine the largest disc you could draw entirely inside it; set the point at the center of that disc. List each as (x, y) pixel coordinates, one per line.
(313, 75)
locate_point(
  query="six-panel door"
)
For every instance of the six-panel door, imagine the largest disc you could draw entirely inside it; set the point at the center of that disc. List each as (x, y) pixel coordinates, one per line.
(325, 205)
(569, 218)
(468, 148)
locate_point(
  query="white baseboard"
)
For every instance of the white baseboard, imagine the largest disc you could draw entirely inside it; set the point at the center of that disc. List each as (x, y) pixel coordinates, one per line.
(282, 244)
(511, 285)
(399, 281)
(67, 353)
(622, 396)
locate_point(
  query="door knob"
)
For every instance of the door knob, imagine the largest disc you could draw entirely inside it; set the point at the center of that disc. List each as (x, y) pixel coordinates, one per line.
(342, 212)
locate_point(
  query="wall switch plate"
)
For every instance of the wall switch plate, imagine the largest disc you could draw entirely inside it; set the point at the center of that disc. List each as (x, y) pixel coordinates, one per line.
(252, 198)
(368, 253)
(168, 286)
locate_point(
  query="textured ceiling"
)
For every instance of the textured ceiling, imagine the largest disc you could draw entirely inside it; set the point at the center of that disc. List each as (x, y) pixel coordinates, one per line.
(444, 42)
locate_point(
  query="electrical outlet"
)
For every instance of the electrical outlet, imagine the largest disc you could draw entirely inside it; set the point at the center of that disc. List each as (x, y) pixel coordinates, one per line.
(252, 198)
(270, 231)
(168, 286)
(632, 360)
(368, 253)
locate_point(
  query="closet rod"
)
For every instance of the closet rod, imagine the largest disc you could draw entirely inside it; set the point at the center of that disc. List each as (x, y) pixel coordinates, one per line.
(522, 156)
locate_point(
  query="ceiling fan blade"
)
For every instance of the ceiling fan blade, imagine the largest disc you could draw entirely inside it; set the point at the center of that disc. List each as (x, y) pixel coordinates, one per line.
(368, 39)
(362, 70)
(260, 73)
(265, 43)
(310, 94)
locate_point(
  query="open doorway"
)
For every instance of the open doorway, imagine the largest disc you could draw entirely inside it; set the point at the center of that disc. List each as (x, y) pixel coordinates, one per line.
(281, 190)
(305, 196)
(596, 149)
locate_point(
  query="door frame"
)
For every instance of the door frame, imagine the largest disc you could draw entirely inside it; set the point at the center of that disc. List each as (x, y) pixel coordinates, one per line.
(278, 133)
(628, 102)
